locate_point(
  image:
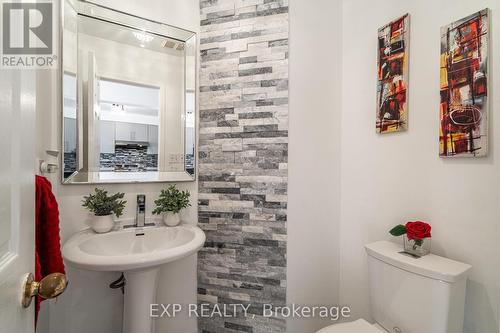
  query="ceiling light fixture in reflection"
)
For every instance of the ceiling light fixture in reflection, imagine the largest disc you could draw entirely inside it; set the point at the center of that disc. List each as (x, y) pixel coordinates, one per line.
(143, 37)
(117, 107)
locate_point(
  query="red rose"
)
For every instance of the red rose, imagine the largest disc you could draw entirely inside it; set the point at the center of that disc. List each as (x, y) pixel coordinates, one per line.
(418, 230)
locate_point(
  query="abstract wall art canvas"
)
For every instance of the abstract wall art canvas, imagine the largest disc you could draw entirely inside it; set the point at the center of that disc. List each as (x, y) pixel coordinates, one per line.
(464, 87)
(392, 86)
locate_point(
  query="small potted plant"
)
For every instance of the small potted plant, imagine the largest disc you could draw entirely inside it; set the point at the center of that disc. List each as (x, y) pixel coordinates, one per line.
(416, 237)
(103, 207)
(170, 203)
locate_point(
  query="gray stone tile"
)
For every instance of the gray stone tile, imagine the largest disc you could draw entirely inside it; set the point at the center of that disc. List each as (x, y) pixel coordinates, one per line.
(243, 153)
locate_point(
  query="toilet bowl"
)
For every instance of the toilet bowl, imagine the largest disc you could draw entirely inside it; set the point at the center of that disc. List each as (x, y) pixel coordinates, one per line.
(435, 285)
(358, 326)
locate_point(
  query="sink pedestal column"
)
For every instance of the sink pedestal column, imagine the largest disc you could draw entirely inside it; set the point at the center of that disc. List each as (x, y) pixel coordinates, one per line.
(140, 293)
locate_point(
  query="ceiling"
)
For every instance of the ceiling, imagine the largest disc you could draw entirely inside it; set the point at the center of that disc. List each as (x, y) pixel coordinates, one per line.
(129, 36)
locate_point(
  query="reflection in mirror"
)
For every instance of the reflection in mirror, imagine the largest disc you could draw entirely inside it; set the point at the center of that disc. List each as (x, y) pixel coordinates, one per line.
(190, 131)
(136, 100)
(129, 122)
(71, 132)
(190, 148)
(70, 124)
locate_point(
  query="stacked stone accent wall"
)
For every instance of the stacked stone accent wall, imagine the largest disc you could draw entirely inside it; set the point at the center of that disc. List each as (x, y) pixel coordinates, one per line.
(243, 154)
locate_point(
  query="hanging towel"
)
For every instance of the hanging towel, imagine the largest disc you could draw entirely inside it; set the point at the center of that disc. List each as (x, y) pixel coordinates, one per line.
(48, 257)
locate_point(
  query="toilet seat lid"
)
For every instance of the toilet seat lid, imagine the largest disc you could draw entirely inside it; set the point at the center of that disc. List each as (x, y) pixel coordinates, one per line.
(358, 326)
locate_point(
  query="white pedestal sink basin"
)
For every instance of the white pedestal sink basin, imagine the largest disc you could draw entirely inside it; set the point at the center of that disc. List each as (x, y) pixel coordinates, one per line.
(137, 253)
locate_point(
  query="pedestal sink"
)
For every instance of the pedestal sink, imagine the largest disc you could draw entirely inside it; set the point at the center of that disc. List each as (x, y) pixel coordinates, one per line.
(137, 253)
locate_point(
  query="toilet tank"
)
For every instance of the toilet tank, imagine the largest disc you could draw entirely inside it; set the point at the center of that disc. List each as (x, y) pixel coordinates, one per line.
(415, 295)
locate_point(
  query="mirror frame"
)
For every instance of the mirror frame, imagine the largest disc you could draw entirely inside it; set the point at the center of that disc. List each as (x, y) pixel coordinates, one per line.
(131, 21)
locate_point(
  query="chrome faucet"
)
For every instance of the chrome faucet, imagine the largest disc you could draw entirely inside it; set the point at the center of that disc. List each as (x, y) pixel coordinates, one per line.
(140, 215)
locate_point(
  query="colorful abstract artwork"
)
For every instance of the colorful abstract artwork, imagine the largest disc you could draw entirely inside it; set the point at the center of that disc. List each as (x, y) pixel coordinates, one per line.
(392, 89)
(464, 87)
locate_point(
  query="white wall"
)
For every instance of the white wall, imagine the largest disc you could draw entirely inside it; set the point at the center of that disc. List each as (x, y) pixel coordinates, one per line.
(89, 305)
(392, 179)
(314, 157)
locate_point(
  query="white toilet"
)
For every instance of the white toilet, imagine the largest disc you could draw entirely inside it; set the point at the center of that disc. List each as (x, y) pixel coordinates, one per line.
(411, 295)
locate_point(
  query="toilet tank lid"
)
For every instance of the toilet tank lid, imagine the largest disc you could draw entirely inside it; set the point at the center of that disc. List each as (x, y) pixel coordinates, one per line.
(431, 266)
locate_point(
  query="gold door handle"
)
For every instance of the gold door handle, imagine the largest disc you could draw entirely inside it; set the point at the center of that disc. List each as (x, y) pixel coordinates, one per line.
(51, 286)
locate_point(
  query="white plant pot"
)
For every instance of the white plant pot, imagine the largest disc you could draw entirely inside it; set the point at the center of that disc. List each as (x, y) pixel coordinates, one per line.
(171, 219)
(102, 224)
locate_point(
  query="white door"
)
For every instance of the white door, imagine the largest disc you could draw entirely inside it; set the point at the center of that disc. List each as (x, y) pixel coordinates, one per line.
(17, 196)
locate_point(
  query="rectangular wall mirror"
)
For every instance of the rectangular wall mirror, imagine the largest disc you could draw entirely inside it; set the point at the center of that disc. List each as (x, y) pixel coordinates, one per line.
(128, 98)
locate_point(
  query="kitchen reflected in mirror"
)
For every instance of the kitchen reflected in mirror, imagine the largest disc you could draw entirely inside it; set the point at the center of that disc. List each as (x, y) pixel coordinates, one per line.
(128, 98)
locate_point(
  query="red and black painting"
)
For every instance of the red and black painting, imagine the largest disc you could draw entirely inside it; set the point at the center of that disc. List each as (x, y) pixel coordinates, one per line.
(464, 87)
(392, 88)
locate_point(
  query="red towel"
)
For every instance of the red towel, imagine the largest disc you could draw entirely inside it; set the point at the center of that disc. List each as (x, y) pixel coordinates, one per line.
(48, 257)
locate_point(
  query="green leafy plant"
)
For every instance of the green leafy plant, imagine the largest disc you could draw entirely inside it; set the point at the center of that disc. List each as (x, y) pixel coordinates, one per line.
(171, 200)
(398, 230)
(101, 204)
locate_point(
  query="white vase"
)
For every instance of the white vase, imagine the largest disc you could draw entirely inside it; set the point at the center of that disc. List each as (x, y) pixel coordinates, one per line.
(102, 224)
(171, 219)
